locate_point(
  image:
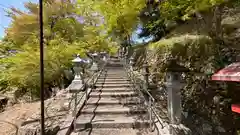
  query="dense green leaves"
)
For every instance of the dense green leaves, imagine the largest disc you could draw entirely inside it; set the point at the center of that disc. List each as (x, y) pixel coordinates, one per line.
(64, 36)
(175, 9)
(119, 16)
(23, 69)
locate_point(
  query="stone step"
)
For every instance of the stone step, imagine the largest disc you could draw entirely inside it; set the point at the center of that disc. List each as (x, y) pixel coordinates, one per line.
(113, 94)
(116, 131)
(117, 89)
(109, 69)
(113, 109)
(114, 101)
(117, 75)
(117, 83)
(115, 65)
(112, 85)
(115, 72)
(111, 121)
(113, 80)
(114, 75)
(114, 68)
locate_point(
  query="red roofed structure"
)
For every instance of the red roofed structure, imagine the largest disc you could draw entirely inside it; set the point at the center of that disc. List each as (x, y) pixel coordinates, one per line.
(229, 73)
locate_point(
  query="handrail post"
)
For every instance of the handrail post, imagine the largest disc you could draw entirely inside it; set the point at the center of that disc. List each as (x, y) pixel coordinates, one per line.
(75, 104)
(146, 74)
(86, 92)
(131, 63)
(150, 113)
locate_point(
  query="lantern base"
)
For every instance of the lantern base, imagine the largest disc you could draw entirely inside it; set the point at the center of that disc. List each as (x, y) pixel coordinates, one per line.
(76, 85)
(94, 67)
(77, 78)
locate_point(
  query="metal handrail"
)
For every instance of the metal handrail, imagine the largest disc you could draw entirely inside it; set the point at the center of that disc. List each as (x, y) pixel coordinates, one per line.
(151, 101)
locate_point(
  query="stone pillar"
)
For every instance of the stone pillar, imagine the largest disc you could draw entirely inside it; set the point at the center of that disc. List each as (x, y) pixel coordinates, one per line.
(174, 83)
(126, 59)
(131, 63)
(174, 86)
(95, 65)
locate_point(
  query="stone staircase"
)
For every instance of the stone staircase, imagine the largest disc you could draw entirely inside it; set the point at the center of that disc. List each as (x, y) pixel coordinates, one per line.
(113, 107)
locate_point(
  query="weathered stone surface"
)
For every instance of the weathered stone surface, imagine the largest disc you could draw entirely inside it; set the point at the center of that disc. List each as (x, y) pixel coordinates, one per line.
(179, 130)
(56, 110)
(35, 130)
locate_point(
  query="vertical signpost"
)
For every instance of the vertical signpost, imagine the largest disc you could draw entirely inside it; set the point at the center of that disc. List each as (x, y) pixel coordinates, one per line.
(41, 64)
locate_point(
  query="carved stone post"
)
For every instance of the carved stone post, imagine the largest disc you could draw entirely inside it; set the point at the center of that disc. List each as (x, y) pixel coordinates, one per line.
(94, 68)
(174, 83)
(126, 59)
(131, 63)
(95, 64)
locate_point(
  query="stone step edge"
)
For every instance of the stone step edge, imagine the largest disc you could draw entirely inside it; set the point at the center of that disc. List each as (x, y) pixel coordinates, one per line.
(113, 111)
(112, 86)
(136, 124)
(113, 95)
(112, 102)
(112, 80)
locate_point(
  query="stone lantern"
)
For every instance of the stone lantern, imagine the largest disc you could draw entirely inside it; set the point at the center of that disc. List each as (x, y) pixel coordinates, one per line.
(104, 56)
(88, 63)
(174, 83)
(126, 58)
(94, 66)
(78, 81)
(131, 63)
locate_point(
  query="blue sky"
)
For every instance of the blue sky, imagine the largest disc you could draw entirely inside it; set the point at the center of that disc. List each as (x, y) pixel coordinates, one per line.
(4, 4)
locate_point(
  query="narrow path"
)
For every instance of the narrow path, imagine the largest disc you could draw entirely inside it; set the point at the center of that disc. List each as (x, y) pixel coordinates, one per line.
(113, 108)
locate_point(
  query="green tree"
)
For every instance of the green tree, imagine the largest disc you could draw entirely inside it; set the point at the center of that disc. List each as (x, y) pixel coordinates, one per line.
(64, 36)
